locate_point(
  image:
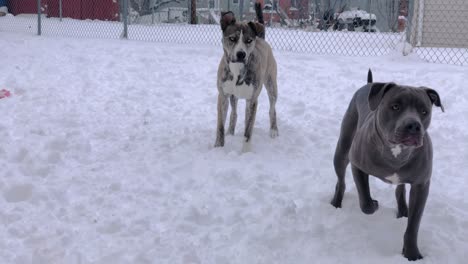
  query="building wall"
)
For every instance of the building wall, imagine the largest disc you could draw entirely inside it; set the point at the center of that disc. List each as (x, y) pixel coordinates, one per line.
(295, 9)
(439, 23)
(78, 9)
(444, 23)
(22, 6)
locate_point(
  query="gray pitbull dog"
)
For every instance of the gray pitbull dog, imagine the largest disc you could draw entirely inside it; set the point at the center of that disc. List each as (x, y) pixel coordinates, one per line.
(246, 66)
(384, 134)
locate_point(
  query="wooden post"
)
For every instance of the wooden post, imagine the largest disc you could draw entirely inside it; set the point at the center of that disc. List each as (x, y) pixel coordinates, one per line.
(39, 15)
(241, 9)
(193, 12)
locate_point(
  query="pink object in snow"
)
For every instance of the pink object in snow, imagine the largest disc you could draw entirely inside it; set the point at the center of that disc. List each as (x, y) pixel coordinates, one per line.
(4, 93)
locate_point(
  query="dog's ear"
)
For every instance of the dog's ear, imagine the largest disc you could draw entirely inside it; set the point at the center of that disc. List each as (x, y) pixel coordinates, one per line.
(377, 92)
(434, 97)
(227, 19)
(258, 28)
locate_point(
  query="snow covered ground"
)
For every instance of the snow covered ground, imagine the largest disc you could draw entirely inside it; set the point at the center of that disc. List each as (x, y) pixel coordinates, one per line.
(107, 156)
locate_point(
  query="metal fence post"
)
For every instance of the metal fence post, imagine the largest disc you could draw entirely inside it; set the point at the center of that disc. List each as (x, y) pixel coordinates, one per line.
(39, 24)
(241, 9)
(193, 12)
(370, 14)
(419, 30)
(125, 19)
(409, 27)
(60, 9)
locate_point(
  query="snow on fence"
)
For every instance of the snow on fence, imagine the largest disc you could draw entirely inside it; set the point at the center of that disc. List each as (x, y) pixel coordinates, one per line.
(385, 28)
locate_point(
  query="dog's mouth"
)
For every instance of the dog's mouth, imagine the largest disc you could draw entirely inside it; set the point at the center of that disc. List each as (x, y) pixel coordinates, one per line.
(233, 58)
(409, 141)
(238, 61)
(412, 142)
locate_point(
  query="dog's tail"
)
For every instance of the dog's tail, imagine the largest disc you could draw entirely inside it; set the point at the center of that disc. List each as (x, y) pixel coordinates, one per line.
(369, 76)
(259, 12)
(260, 29)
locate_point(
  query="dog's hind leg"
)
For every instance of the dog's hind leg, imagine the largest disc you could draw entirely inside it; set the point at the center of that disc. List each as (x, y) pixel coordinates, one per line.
(341, 159)
(223, 105)
(272, 89)
(233, 119)
(250, 113)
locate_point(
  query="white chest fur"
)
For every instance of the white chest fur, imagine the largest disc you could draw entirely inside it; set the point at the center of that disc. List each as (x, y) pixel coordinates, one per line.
(393, 179)
(396, 150)
(230, 86)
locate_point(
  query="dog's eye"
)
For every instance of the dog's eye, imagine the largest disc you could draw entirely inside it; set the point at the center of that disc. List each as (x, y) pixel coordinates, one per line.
(233, 39)
(424, 112)
(248, 41)
(396, 107)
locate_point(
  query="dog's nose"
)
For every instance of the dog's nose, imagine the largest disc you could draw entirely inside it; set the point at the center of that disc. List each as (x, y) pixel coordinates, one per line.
(240, 55)
(413, 128)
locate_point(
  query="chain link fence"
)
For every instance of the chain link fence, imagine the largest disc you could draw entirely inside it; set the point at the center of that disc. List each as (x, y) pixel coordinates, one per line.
(433, 29)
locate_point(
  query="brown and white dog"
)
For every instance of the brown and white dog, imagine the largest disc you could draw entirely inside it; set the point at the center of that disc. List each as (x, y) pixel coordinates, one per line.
(246, 66)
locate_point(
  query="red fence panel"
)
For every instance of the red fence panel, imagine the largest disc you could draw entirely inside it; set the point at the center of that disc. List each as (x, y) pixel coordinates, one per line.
(77, 9)
(105, 9)
(70, 8)
(22, 6)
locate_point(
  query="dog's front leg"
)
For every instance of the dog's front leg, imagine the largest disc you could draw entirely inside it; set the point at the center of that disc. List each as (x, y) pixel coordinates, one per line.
(417, 202)
(400, 194)
(361, 179)
(272, 89)
(250, 113)
(233, 119)
(222, 113)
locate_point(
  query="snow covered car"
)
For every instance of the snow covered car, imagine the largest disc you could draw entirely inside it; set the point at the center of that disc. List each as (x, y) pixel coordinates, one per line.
(356, 20)
(3, 8)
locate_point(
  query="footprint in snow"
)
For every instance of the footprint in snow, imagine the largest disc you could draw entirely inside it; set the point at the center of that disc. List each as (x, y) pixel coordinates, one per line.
(18, 193)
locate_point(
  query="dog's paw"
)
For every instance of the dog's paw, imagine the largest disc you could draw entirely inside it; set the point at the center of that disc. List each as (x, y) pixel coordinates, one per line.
(336, 203)
(411, 253)
(402, 212)
(231, 129)
(218, 144)
(274, 133)
(370, 208)
(339, 193)
(246, 147)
